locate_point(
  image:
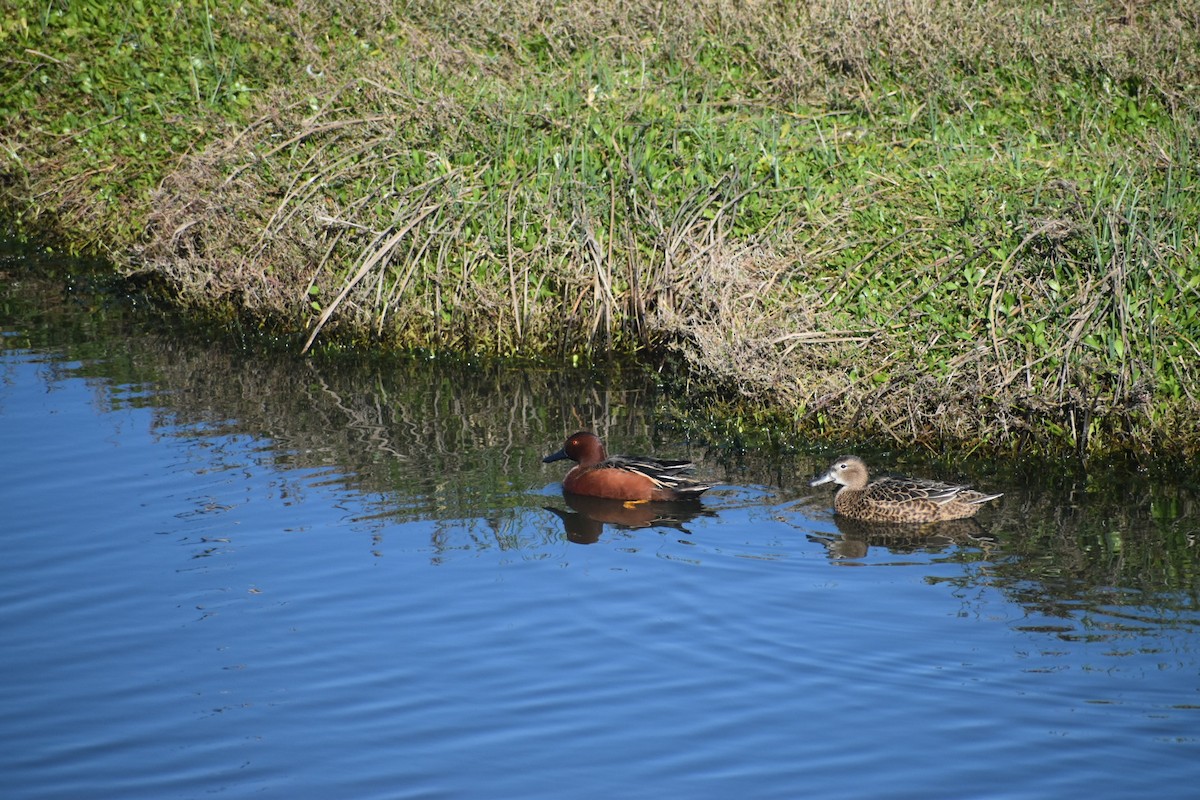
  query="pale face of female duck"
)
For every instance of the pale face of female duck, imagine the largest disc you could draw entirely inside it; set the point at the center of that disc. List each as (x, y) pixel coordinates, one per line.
(897, 499)
(848, 471)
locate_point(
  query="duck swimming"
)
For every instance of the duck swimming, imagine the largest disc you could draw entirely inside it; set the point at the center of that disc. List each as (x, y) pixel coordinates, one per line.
(897, 499)
(629, 478)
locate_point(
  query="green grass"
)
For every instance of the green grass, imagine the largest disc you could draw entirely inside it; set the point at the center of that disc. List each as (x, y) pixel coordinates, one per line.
(931, 224)
(102, 101)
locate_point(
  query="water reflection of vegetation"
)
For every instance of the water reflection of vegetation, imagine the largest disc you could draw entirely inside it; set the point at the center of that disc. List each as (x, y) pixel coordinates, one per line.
(448, 438)
(461, 446)
(1102, 558)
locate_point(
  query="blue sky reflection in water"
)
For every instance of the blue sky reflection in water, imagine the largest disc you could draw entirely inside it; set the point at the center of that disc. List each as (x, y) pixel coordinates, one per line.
(191, 607)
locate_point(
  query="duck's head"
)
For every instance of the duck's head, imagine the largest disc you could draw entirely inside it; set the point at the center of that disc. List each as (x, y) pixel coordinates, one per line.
(848, 471)
(582, 447)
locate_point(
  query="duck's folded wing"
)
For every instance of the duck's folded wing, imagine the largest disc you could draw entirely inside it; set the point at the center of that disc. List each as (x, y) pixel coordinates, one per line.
(674, 475)
(907, 490)
(650, 466)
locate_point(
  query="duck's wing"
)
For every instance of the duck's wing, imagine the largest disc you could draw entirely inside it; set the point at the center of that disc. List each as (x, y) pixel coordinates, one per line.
(650, 466)
(908, 490)
(977, 498)
(668, 474)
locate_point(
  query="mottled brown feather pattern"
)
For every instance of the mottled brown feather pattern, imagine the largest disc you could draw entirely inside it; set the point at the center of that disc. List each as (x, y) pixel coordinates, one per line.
(897, 499)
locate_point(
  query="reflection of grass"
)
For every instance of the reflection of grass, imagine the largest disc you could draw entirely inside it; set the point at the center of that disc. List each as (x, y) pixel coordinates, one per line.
(1122, 551)
(927, 222)
(461, 445)
(451, 439)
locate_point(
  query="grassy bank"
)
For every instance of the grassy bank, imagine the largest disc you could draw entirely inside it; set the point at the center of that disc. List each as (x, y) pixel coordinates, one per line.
(928, 222)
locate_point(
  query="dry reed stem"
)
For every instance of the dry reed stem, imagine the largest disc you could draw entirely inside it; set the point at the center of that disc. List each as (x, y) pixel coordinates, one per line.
(376, 256)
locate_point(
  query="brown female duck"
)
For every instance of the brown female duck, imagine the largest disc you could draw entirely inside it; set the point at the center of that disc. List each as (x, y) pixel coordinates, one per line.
(897, 499)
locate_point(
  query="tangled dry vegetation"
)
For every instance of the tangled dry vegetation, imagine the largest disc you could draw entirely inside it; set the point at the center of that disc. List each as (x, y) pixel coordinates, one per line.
(927, 221)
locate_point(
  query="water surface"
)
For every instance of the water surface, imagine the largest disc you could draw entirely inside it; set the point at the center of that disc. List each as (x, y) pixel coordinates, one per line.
(232, 572)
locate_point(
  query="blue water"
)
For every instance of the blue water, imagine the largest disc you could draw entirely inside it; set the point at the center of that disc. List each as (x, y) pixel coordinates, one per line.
(191, 609)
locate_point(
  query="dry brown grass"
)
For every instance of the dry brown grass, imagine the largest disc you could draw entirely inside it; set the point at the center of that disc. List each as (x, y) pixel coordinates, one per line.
(396, 193)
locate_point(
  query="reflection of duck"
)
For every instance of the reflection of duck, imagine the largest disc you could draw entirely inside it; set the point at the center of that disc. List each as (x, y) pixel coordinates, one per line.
(589, 515)
(897, 499)
(858, 537)
(634, 478)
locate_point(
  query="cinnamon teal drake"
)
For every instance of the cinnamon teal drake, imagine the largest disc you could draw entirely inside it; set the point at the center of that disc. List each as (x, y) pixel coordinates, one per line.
(897, 499)
(629, 478)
